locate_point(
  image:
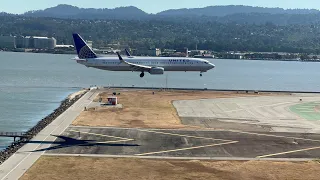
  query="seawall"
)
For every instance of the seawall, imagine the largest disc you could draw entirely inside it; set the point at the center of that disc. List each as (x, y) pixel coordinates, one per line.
(15, 146)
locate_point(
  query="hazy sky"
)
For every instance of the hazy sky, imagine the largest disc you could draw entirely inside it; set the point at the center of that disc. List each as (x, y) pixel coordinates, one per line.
(150, 6)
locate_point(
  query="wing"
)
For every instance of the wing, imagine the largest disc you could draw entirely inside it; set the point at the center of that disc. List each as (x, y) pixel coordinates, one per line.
(135, 67)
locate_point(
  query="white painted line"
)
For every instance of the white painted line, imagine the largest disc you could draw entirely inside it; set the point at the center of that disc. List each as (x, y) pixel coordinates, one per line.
(181, 135)
(183, 149)
(289, 152)
(103, 135)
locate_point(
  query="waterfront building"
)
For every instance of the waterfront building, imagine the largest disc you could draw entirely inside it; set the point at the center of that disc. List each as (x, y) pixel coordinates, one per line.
(7, 42)
(43, 42)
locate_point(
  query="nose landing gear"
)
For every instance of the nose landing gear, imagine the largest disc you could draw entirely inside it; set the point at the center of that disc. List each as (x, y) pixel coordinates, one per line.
(200, 74)
(142, 75)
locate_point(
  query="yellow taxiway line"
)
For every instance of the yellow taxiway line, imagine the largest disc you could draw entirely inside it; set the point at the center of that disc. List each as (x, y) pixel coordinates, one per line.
(181, 135)
(183, 149)
(271, 135)
(107, 142)
(288, 152)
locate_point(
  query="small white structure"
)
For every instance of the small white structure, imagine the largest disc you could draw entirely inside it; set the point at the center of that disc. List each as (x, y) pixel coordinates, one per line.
(113, 100)
(93, 88)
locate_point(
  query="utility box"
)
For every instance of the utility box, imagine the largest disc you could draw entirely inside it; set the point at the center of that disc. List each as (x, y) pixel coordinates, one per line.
(112, 100)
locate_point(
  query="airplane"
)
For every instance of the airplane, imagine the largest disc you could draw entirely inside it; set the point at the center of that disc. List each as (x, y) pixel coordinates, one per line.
(152, 65)
(128, 53)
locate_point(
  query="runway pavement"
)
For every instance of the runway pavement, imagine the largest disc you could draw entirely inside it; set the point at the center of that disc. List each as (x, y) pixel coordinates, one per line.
(59, 138)
(23, 159)
(181, 143)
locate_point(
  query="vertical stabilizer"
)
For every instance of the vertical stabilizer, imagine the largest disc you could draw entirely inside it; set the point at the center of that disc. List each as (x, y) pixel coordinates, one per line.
(128, 53)
(83, 50)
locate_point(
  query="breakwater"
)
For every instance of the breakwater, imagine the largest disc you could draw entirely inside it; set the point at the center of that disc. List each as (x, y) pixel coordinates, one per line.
(15, 146)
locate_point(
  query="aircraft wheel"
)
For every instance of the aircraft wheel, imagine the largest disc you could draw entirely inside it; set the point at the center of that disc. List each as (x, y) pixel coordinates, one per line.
(142, 75)
(200, 75)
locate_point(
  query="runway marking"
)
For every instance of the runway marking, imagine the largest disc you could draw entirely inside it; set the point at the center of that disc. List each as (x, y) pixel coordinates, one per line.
(271, 135)
(107, 142)
(181, 135)
(288, 152)
(103, 135)
(183, 149)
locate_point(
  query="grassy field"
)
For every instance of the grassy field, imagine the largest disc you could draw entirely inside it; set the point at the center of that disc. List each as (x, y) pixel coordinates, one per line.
(74, 168)
(144, 109)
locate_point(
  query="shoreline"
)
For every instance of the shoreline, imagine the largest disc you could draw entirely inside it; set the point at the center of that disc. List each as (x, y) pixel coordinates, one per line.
(33, 131)
(275, 60)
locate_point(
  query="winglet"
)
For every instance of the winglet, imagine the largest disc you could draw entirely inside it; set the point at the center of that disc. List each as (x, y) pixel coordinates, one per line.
(128, 53)
(120, 58)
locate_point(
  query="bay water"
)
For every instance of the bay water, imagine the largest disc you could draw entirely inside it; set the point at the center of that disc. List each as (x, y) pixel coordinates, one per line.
(33, 85)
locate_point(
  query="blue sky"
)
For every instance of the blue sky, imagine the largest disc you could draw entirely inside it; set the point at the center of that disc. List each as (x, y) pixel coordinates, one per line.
(150, 6)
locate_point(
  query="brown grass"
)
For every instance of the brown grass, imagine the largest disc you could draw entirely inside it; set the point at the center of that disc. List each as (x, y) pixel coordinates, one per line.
(145, 110)
(148, 169)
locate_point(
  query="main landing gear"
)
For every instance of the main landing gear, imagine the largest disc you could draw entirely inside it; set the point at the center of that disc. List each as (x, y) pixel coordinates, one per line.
(142, 75)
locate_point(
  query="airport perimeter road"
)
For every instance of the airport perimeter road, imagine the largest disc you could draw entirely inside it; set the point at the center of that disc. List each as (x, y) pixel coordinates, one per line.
(22, 160)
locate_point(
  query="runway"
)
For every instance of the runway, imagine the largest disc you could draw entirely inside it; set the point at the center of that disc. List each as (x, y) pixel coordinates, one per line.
(183, 143)
(252, 140)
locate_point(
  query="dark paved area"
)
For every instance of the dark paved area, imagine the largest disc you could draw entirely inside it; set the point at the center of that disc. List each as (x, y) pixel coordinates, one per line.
(181, 143)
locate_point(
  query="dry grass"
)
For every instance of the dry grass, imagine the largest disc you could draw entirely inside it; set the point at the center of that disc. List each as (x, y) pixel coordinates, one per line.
(148, 169)
(144, 110)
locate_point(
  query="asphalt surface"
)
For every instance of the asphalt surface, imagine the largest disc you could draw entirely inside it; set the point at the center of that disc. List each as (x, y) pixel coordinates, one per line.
(261, 115)
(181, 143)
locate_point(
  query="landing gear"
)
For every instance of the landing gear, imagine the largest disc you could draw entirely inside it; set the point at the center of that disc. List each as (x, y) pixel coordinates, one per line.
(200, 74)
(142, 75)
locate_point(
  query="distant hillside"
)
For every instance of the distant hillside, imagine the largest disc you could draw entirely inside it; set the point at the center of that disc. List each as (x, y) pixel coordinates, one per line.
(68, 11)
(229, 10)
(277, 19)
(221, 14)
(213, 33)
(5, 14)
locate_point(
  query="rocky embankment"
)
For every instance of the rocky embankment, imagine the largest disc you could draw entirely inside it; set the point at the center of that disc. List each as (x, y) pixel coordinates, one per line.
(15, 146)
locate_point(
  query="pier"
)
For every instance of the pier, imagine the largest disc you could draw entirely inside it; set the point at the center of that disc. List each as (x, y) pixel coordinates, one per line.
(15, 135)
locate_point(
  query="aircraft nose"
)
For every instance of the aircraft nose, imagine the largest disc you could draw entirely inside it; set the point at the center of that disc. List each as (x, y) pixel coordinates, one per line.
(212, 65)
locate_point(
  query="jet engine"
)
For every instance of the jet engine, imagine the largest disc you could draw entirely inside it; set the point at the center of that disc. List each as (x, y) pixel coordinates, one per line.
(156, 70)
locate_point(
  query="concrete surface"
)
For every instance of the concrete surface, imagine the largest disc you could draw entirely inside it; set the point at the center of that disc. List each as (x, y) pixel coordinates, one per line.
(23, 159)
(256, 123)
(261, 113)
(182, 143)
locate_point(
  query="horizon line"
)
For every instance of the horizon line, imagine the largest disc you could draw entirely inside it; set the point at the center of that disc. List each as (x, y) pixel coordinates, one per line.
(162, 10)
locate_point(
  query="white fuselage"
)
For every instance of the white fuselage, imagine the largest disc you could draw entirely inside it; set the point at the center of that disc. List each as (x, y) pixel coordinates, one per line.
(167, 63)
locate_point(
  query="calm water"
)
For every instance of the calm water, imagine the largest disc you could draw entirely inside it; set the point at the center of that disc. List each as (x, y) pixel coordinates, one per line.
(32, 85)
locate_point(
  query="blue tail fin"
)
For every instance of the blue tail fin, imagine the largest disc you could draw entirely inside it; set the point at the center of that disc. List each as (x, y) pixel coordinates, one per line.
(83, 50)
(127, 53)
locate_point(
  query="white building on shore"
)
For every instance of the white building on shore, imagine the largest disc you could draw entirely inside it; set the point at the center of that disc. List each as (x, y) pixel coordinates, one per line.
(44, 42)
(31, 42)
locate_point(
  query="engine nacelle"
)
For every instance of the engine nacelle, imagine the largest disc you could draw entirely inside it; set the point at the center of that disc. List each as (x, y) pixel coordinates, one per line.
(156, 70)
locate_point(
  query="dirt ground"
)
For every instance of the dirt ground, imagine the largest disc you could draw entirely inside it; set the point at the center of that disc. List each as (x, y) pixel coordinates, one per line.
(147, 169)
(144, 109)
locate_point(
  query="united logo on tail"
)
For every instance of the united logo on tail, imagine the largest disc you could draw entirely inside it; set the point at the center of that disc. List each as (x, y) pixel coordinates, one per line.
(83, 50)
